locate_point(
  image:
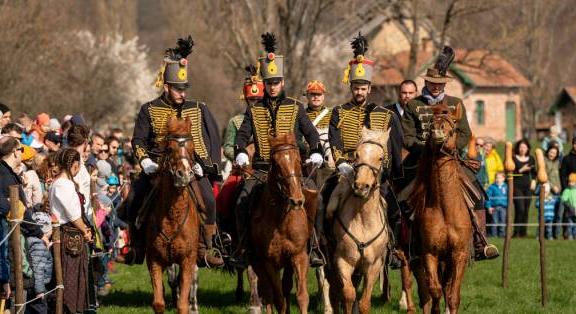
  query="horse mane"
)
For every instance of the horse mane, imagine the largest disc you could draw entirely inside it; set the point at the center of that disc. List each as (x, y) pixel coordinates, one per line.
(279, 140)
(178, 126)
(379, 136)
(422, 192)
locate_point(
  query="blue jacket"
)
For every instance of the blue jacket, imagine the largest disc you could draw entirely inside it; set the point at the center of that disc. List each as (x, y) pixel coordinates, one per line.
(497, 195)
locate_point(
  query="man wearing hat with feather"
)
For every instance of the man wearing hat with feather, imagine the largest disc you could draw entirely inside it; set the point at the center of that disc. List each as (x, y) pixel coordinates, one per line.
(345, 130)
(149, 134)
(275, 114)
(416, 123)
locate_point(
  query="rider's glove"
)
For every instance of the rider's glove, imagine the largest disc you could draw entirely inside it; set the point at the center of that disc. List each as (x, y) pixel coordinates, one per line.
(148, 166)
(345, 168)
(197, 169)
(316, 159)
(242, 159)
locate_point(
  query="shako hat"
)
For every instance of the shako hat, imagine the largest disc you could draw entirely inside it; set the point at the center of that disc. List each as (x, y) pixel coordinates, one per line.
(253, 85)
(359, 69)
(271, 64)
(174, 68)
(438, 73)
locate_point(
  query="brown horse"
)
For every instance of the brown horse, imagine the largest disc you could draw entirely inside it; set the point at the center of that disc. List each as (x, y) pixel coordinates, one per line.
(281, 224)
(172, 231)
(442, 222)
(359, 226)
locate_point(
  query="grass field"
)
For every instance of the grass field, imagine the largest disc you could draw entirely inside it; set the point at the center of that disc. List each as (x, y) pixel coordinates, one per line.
(481, 291)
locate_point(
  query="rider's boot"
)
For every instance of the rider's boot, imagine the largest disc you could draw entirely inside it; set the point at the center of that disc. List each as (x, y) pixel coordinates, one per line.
(482, 249)
(137, 250)
(316, 256)
(207, 256)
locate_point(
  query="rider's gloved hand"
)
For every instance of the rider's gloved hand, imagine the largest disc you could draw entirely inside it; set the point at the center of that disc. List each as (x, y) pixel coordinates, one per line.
(148, 166)
(345, 168)
(316, 159)
(197, 169)
(242, 159)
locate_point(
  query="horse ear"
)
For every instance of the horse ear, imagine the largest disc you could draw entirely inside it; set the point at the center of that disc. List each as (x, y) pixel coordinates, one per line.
(188, 124)
(457, 113)
(170, 123)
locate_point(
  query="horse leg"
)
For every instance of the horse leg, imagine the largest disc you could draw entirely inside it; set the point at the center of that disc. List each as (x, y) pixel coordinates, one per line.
(345, 271)
(156, 270)
(194, 291)
(239, 294)
(370, 278)
(458, 263)
(173, 282)
(287, 283)
(423, 292)
(186, 273)
(264, 285)
(324, 289)
(300, 265)
(406, 301)
(432, 280)
(255, 303)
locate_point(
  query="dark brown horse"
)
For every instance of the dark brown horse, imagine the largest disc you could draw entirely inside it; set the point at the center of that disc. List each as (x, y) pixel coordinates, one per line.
(442, 220)
(281, 225)
(172, 231)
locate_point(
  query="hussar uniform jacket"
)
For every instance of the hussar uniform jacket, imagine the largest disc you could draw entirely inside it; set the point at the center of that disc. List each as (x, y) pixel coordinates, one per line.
(150, 131)
(416, 123)
(345, 132)
(278, 116)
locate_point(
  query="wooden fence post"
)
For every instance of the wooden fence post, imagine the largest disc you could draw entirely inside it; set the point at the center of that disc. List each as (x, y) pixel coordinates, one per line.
(509, 166)
(542, 178)
(57, 249)
(15, 248)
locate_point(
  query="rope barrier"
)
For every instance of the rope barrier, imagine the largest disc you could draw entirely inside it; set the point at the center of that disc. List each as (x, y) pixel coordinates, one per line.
(22, 306)
(563, 224)
(9, 233)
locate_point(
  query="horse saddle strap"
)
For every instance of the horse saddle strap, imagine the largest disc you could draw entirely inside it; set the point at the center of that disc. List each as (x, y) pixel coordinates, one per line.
(194, 189)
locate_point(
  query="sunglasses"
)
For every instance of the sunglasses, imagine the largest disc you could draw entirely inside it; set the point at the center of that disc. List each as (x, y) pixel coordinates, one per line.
(21, 149)
(480, 145)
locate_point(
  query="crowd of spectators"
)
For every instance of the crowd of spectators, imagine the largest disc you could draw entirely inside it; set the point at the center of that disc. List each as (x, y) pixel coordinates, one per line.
(560, 190)
(70, 176)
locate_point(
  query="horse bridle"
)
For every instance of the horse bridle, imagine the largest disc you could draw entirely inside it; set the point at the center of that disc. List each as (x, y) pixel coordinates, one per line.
(375, 171)
(445, 118)
(181, 140)
(293, 174)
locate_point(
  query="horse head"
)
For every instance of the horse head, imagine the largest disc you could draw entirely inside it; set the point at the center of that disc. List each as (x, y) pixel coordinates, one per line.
(180, 151)
(443, 133)
(369, 162)
(286, 171)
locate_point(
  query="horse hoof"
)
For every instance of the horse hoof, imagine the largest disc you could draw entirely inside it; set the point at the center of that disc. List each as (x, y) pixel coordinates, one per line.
(194, 312)
(403, 303)
(254, 310)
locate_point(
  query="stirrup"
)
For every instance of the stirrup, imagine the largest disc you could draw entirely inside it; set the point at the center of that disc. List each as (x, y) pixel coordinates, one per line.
(491, 251)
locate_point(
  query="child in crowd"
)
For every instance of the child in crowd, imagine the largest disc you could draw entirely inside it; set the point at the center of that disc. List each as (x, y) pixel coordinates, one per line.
(568, 199)
(549, 204)
(497, 204)
(40, 257)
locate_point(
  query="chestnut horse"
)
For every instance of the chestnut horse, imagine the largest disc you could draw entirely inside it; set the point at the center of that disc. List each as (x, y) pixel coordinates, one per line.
(281, 224)
(172, 231)
(359, 226)
(442, 220)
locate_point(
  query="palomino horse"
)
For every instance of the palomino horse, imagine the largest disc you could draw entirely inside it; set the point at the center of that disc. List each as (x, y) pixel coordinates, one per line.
(359, 227)
(442, 220)
(172, 231)
(281, 224)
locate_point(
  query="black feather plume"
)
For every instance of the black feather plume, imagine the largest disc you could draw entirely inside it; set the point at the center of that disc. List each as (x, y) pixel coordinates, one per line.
(444, 59)
(269, 42)
(251, 69)
(183, 50)
(359, 45)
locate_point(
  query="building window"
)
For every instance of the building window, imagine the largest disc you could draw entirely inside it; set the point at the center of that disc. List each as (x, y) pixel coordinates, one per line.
(480, 112)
